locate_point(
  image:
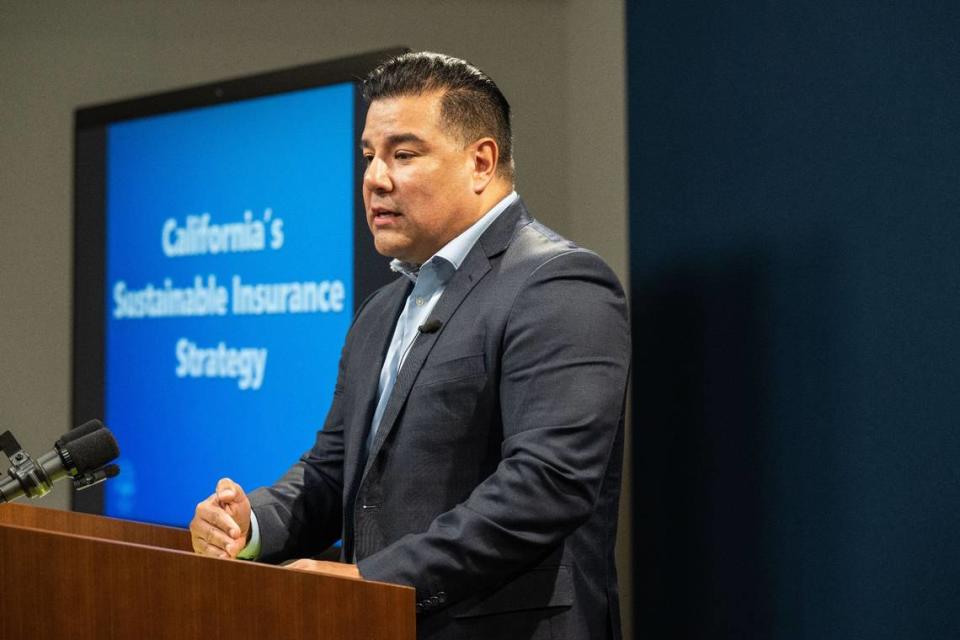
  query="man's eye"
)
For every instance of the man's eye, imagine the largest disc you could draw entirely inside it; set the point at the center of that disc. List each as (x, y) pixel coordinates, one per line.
(367, 159)
(403, 155)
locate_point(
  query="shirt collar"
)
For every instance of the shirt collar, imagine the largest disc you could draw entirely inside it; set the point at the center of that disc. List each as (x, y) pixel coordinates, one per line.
(455, 251)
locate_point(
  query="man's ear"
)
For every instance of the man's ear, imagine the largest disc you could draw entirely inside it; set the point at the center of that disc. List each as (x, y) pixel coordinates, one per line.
(485, 156)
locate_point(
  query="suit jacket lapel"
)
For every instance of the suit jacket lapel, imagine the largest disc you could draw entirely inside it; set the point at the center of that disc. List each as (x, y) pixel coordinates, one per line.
(371, 353)
(474, 268)
(465, 278)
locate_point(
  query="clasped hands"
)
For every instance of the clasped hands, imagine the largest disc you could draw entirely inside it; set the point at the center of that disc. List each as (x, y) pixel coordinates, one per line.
(221, 529)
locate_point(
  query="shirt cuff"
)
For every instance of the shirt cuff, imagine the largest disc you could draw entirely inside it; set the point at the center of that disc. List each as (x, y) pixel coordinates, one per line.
(252, 550)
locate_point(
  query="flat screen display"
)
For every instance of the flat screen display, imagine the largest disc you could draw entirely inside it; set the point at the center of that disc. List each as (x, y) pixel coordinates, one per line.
(231, 260)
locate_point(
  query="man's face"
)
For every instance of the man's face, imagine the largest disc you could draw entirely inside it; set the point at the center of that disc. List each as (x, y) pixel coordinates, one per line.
(418, 184)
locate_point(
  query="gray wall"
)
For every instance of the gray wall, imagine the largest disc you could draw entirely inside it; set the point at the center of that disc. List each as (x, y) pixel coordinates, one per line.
(560, 63)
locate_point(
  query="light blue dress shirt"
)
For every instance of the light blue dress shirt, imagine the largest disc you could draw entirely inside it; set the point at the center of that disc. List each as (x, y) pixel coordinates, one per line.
(430, 279)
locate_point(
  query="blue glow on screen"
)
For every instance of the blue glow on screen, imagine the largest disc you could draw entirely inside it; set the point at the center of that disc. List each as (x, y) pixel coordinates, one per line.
(188, 195)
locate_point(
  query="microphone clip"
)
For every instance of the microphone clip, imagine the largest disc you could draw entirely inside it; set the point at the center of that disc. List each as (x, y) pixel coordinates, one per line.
(11, 448)
(27, 473)
(91, 478)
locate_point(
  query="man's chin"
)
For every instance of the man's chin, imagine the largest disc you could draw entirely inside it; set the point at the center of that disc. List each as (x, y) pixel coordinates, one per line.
(390, 249)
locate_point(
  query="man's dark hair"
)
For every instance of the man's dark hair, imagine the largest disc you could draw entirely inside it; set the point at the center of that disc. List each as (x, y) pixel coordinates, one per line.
(472, 105)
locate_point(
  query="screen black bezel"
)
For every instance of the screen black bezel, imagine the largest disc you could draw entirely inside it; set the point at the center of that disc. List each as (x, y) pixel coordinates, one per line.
(89, 207)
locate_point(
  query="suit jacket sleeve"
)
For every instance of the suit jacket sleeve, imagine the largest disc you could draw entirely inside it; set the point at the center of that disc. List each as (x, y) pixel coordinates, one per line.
(301, 514)
(563, 370)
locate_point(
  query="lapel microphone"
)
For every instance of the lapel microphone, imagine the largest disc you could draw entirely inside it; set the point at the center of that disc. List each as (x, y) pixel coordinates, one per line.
(430, 326)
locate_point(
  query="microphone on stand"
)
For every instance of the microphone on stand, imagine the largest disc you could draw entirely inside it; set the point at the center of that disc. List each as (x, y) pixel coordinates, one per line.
(87, 480)
(80, 454)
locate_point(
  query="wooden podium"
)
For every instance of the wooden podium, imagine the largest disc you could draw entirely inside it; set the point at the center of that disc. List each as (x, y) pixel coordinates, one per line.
(79, 576)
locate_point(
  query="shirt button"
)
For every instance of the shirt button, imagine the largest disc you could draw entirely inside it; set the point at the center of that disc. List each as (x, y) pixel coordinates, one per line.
(419, 301)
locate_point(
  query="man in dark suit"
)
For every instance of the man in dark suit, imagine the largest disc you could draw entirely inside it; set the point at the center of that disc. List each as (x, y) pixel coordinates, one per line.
(474, 445)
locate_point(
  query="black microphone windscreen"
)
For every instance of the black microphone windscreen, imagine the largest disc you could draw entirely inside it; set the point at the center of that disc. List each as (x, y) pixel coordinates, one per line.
(93, 450)
(85, 429)
(430, 326)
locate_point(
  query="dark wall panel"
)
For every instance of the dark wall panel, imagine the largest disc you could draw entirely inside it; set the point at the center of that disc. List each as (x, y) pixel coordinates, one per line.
(795, 275)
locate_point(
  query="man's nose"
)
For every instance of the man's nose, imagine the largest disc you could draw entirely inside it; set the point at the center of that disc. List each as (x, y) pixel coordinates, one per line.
(377, 176)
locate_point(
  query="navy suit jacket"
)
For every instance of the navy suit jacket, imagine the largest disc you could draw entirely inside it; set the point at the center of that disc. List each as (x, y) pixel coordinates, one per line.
(492, 483)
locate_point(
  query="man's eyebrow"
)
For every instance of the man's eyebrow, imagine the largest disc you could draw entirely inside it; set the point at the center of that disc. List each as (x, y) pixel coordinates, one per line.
(404, 138)
(397, 138)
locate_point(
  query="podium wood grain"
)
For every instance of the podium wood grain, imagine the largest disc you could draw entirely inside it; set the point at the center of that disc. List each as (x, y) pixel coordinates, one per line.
(65, 574)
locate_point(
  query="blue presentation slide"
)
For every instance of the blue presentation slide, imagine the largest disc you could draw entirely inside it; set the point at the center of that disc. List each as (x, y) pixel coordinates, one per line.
(229, 292)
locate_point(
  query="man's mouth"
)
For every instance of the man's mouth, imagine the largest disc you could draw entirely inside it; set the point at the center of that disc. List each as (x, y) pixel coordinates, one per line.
(383, 216)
